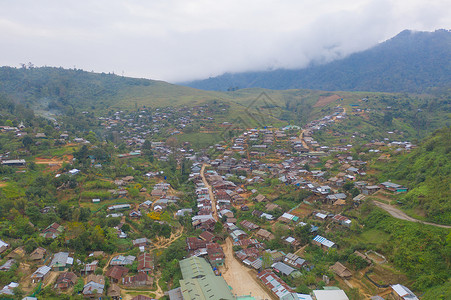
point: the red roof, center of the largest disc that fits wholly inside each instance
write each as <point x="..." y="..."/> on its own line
<point x="117" y="272"/>
<point x="207" y="236"/>
<point x="194" y="243"/>
<point x="145" y="262"/>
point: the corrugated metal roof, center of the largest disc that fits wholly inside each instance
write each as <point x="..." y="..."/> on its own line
<point x="3" y="244"/>
<point x="324" y="241"/>
<point x="199" y="281"/>
<point x="285" y="269"/>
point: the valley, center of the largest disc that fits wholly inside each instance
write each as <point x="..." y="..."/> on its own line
<point x="145" y="188"/>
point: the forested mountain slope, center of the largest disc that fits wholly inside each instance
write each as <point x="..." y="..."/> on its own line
<point x="59" y="89"/>
<point x="409" y="62"/>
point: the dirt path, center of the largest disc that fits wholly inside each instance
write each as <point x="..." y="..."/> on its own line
<point x="239" y="277"/>
<point x="210" y="191"/>
<point x="162" y="242"/>
<point x="301" y="138"/>
<point x="129" y="294"/>
<point x="399" y="214"/>
<point x="322" y="101"/>
<point x="300" y="252"/>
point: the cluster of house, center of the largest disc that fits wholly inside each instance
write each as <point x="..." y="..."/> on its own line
<point x="248" y="235"/>
<point x="94" y="284"/>
<point x="137" y="126"/>
<point x="204" y="219"/>
<point x="206" y="246"/>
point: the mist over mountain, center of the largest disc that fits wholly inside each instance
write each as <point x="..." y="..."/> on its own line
<point x="409" y="62"/>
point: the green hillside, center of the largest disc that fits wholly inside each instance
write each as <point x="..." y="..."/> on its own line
<point x="426" y="171"/>
<point x="58" y="92"/>
<point x="58" y="88"/>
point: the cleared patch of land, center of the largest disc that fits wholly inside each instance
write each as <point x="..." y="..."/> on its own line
<point x="322" y="101"/>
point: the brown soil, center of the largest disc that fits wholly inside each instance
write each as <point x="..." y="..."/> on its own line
<point x="54" y="163"/>
<point x="302" y="211"/>
<point x="377" y="259"/>
<point x="322" y="101"/>
<point x="383" y="275"/>
<point x="242" y="280"/>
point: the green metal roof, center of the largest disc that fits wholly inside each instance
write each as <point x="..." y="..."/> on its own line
<point x="200" y="283"/>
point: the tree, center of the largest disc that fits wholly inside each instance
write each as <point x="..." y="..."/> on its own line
<point x="302" y="233"/>
<point x="266" y="260"/>
<point x="27" y="141"/>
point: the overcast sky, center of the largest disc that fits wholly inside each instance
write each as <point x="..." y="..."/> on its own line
<point x="177" y="40"/>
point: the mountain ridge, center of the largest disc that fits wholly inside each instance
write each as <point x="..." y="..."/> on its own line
<point x="412" y="61"/>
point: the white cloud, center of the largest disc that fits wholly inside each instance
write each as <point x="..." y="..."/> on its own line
<point x="180" y="40"/>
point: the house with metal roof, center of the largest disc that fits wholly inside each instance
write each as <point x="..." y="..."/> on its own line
<point x="65" y="280"/>
<point x="9" y="289"/>
<point x="3" y="246"/>
<point x="94" y="286"/>
<point x="296" y="296"/>
<point x="121" y="260"/>
<point x="52" y="231"/>
<point x="324" y="243"/>
<point x="200" y="282"/>
<point x="40" y="274"/>
<point x="14" y="162"/>
<point x="402" y="292"/>
<point x="145" y="263"/>
<point x="294" y="260"/>
<point x="274" y="283"/>
<point x="119" y="207"/>
<point x="332" y="294"/>
<point x="7" y="265"/>
<point x="342" y="220"/>
<point x="394" y="187"/>
<point x="287" y="218"/>
<point x="116" y="273"/>
<point x="61" y="261"/>
<point x="238" y="234"/>
<point x="284" y="269"/>
<point x="90" y="268"/>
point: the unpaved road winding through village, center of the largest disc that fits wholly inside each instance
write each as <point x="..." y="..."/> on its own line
<point x="399" y="214"/>
<point x="210" y="192"/>
<point x="239" y="277"/>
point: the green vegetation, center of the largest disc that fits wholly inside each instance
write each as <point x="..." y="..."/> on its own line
<point x="422" y="252"/>
<point x="120" y="139"/>
<point x="426" y="171"/>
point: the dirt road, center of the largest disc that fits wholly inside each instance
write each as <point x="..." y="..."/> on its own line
<point x="399" y="214"/>
<point x="210" y="192"/>
<point x="301" y="138"/>
<point x="239" y="277"/>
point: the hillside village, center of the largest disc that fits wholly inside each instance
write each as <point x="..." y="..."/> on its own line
<point x="154" y="217"/>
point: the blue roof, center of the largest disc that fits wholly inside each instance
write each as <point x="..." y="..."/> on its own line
<point x="324" y="241"/>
